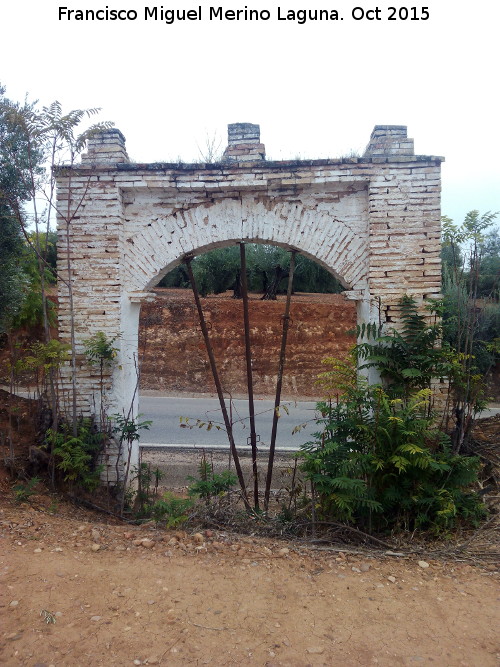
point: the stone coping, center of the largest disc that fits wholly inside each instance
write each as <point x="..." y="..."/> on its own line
<point x="253" y="166"/>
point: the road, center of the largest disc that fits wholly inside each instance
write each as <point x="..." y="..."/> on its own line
<point x="165" y="413"/>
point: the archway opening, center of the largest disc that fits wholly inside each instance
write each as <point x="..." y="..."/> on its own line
<point x="177" y="388"/>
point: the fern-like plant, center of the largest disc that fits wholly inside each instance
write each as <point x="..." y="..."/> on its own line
<point x="379" y="462"/>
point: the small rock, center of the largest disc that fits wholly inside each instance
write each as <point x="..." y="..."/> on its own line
<point x="356" y="569"/>
<point x="284" y="552"/>
<point x="364" y="567"/>
<point x="14" y="603"/>
<point x="81" y="529"/>
<point x="392" y="579"/>
<point x="37" y="551"/>
<point x="57" y="549"/>
<point x="180" y="534"/>
<point x="95" y="547"/>
<point x="315" y="649"/>
<point x="95" y="618"/>
<point x="172" y="542"/>
<point x="137" y="662"/>
<point x="137" y="543"/>
<point x="96" y="535"/>
<point x="14" y="636"/>
<point x="147" y="543"/>
<point x="198" y="538"/>
<point x="267" y="551"/>
<point x="423" y="564"/>
<point x="128" y="535"/>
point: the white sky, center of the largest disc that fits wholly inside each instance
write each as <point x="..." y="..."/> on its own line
<point x="316" y="89"/>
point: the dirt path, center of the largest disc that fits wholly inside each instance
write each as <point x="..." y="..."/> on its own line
<point x="225" y="600"/>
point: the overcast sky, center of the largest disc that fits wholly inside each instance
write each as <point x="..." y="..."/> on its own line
<point x="316" y="89"/>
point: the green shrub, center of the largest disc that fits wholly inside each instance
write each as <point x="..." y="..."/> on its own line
<point x="210" y="484"/>
<point x="23" y="492"/>
<point x="379" y="462"/>
<point x="171" y="509"/>
<point x="75" y="456"/>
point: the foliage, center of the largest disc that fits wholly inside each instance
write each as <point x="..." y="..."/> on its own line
<point x="409" y="357"/>
<point x="210" y="484"/>
<point x="267" y="266"/>
<point x="76" y="455"/>
<point x="128" y="429"/>
<point x="145" y="494"/>
<point x="379" y="462"/>
<point x="100" y="350"/>
<point x="340" y="376"/>
<point x="13" y="190"/>
<point x="42" y="358"/>
<point x="171" y="509"/>
<point x="471" y="314"/>
<point x="23" y="492"/>
<point x="379" y="459"/>
<point x="12" y="278"/>
<point x="35" y="144"/>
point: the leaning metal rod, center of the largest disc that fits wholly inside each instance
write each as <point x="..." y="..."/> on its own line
<point x="213" y="366"/>
<point x="248" y="355"/>
<point x="286" y="324"/>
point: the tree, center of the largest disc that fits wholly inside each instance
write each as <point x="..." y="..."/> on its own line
<point x="13" y="192"/>
<point x="219" y="270"/>
<point x="471" y="316"/>
<point x="55" y="138"/>
<point x="12" y="278"/>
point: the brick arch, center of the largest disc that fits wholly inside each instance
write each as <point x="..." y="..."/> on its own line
<point x="339" y="245"/>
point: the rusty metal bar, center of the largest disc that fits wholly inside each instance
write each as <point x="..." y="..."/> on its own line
<point x="248" y="356"/>
<point x="229" y="428"/>
<point x="279" y="382"/>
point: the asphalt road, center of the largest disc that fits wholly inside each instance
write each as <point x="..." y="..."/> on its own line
<point x="165" y="413"/>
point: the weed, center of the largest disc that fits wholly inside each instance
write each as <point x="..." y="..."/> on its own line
<point x="23" y="492"/>
<point x="170" y="509"/>
<point x="210" y="484"/>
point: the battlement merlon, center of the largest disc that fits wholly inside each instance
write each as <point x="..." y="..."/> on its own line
<point x="388" y="143"/>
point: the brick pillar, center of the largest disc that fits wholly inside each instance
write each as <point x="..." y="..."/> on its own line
<point x="389" y="140"/>
<point x="106" y="146"/>
<point x="244" y="143"/>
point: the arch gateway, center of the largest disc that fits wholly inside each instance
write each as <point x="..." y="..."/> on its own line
<point x="372" y="221"/>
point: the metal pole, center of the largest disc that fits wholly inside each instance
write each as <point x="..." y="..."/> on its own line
<point x="248" y="355"/>
<point x="213" y="366"/>
<point x="279" y="382"/>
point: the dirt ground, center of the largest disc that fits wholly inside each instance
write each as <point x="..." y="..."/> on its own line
<point x="129" y="595"/>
